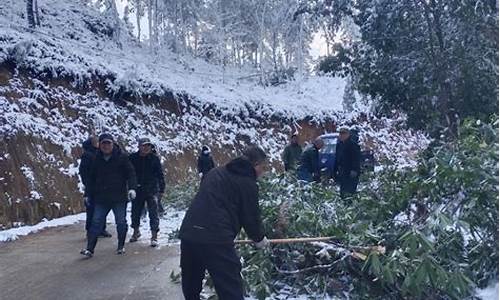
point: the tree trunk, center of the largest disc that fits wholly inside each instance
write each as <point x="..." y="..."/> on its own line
<point x="37" y="16"/>
<point x="138" y="14"/>
<point x="275" y="45"/>
<point x="150" y="23"/>
<point x="327" y="39"/>
<point x="30" y="14"/>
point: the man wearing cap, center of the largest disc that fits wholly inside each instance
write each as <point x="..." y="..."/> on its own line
<point x="292" y="153"/>
<point x="111" y="183"/>
<point x="90" y="147"/>
<point x="150" y="188"/>
<point x="309" y="168"/>
<point x="227" y="200"/>
<point x="347" y="163"/>
<point x="205" y="162"/>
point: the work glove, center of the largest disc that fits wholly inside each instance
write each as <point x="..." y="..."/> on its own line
<point x="353" y="174"/>
<point x="264" y="243"/>
<point x="86" y="201"/>
<point x="317" y="177"/>
<point x="131" y="194"/>
<point x="200" y="174"/>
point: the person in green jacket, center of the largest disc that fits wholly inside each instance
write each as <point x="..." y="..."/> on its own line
<point x="291" y="154"/>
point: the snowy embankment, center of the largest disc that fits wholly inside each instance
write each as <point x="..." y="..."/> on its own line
<point x="73" y="43"/>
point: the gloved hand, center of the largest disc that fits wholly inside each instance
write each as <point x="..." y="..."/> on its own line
<point x="131" y="194"/>
<point x="200" y="174"/>
<point x="353" y="174"/>
<point x="86" y="201"/>
<point x="264" y="243"/>
<point x="317" y="177"/>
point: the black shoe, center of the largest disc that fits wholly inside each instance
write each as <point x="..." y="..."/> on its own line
<point x="135" y="236"/>
<point x="105" y="234"/>
<point x="87" y="253"/>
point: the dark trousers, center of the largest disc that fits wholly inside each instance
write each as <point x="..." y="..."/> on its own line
<point x="221" y="262"/>
<point x="89" y="209"/>
<point x="99" y="219"/>
<point x="137" y="207"/>
<point x="304" y="175"/>
<point x="348" y="185"/>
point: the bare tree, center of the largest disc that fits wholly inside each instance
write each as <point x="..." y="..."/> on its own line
<point x="30" y="13"/>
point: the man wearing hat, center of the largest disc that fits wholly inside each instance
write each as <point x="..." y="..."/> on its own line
<point x="150" y="188"/>
<point x="90" y="147"/>
<point x="347" y="163"/>
<point x="292" y="153"/>
<point x="205" y="162"/>
<point x="112" y="182"/>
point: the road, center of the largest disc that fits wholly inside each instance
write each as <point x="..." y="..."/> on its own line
<point x="47" y="265"/>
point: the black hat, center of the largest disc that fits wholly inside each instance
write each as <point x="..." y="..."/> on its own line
<point x="145" y="141"/>
<point x="106" y="137"/>
<point x="344" y="129"/>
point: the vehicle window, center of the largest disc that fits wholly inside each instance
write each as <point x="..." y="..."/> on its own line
<point x="329" y="147"/>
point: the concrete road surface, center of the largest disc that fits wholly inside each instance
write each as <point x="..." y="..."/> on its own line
<point x="47" y="265"/>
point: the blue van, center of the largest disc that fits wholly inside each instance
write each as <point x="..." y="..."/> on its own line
<point x="327" y="153"/>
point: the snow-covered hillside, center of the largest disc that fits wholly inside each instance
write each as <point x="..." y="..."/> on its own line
<point x="74" y="40"/>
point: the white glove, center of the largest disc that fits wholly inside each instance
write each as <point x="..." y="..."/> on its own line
<point x="200" y="174"/>
<point x="131" y="194"/>
<point x="264" y="243"/>
<point x="353" y="174"/>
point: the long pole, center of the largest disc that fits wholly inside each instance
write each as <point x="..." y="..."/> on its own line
<point x="290" y="240"/>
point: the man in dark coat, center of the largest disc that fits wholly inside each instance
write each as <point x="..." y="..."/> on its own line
<point x="150" y="188"/>
<point x="309" y="168"/>
<point x="291" y="154"/>
<point x="347" y="163"/>
<point x="112" y="182"/>
<point x="226" y="201"/>
<point x="205" y="162"/>
<point x="90" y="147"/>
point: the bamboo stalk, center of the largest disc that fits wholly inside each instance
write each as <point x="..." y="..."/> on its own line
<point x="290" y="240"/>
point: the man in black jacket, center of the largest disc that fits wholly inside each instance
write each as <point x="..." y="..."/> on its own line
<point x="226" y="201"/>
<point x="90" y="147"/>
<point x="347" y="163"/>
<point x="150" y="188"/>
<point x="309" y="168"/>
<point x="205" y="162"/>
<point x="110" y="177"/>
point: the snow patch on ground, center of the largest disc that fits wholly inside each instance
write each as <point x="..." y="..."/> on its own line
<point x="488" y="293"/>
<point x="15" y="233"/>
<point x="170" y="222"/>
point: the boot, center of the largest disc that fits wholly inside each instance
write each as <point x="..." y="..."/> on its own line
<point x="87" y="253"/>
<point x="105" y="234"/>
<point x="135" y="236"/>
<point x="154" y="239"/>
